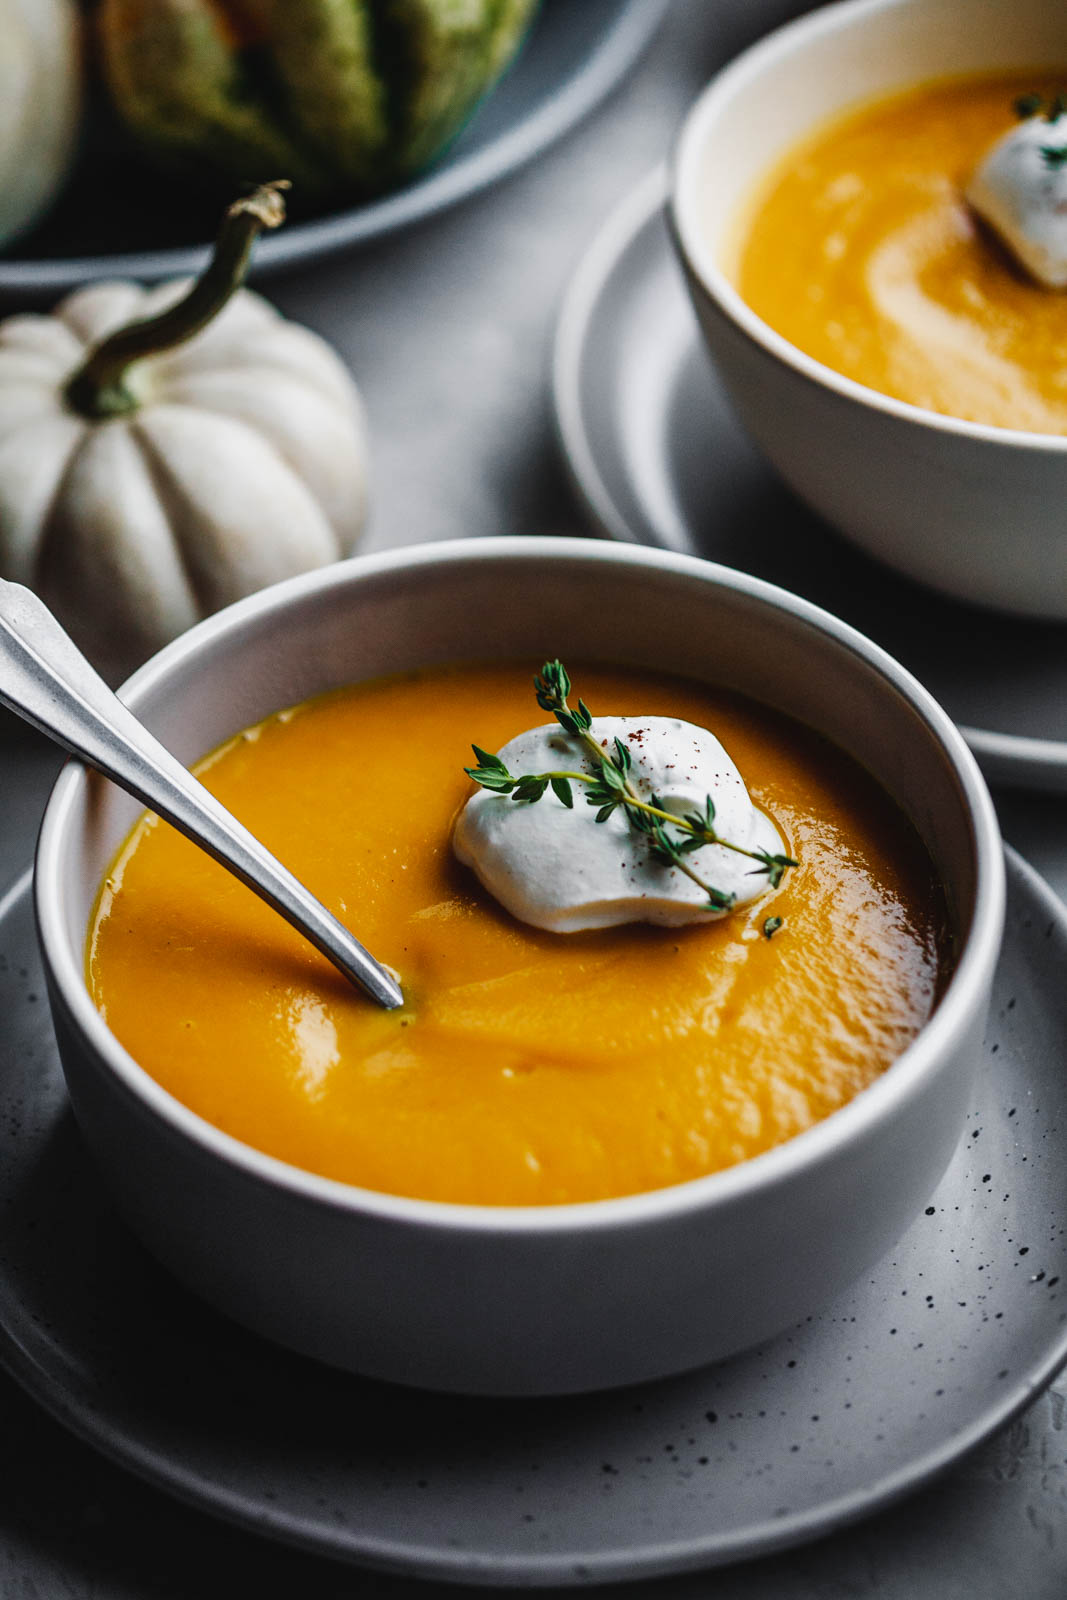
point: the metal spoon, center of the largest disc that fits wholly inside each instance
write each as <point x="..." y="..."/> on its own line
<point x="45" y="678"/>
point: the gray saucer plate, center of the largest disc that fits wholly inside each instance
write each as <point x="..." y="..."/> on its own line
<point x="658" y="458"/>
<point x="113" y="221"/>
<point x="952" y="1334"/>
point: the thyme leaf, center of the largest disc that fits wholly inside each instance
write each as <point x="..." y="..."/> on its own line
<point x="1027" y="105"/>
<point x="561" y="788"/>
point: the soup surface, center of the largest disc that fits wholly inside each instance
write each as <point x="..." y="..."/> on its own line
<point x="529" y="1067"/>
<point x="861" y="250"/>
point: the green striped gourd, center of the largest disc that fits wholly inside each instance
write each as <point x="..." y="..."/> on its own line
<point x="341" y="96"/>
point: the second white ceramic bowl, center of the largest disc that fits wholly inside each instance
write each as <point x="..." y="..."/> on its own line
<point x="975" y="511"/>
<point x="541" y="1299"/>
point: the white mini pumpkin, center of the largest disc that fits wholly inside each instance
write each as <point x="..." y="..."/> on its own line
<point x="237" y="459"/>
<point x="40" y="102"/>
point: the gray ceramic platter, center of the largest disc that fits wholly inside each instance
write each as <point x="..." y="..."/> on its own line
<point x="658" y="458"/>
<point x="947" y="1339"/>
<point x="573" y="57"/>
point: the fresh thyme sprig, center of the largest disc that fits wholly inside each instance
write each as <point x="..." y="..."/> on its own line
<point x="608" y="787"/>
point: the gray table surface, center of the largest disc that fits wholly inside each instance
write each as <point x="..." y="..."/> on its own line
<point x="448" y="329"/>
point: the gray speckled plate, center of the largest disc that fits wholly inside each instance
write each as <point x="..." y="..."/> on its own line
<point x="659" y="459"/>
<point x="574" y="56"/>
<point x="948" y="1338"/>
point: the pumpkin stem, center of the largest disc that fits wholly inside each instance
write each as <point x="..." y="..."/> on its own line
<point x="98" y="388"/>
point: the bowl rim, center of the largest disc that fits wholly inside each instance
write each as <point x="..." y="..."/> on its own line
<point x="740" y="77"/>
<point x="973" y="972"/>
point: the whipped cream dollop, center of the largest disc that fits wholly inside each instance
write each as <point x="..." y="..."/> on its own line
<point x="1020" y="189"/>
<point x="560" y="869"/>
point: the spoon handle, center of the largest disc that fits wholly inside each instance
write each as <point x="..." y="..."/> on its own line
<point x="45" y="678"/>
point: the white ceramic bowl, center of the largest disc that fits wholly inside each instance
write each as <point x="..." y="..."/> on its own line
<point x="975" y="511"/>
<point x="544" y="1299"/>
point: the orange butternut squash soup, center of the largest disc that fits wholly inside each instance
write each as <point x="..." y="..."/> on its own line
<point x="861" y="249"/>
<point x="528" y="1067"/>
